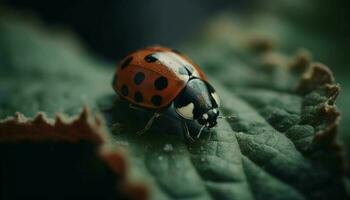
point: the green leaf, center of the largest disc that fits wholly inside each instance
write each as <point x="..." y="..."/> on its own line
<point x="40" y="72"/>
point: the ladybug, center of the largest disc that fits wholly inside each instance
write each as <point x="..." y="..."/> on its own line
<point x="156" y="78"/>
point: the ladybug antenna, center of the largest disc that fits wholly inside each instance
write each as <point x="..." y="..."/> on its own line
<point x="229" y="117"/>
<point x="200" y="131"/>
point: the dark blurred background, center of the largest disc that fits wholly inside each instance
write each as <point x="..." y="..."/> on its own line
<point x="112" y="28"/>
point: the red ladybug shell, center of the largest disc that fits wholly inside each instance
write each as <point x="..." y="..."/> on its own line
<point x="153" y="77"/>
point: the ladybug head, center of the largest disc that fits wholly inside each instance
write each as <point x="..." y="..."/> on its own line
<point x="209" y="118"/>
<point x="198" y="101"/>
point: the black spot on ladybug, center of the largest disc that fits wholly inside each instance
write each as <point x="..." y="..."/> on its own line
<point x="150" y="58"/>
<point x="125" y="90"/>
<point x="139" y="77"/>
<point x="156" y="100"/>
<point x="176" y="51"/>
<point x="184" y="71"/>
<point x="138" y="97"/>
<point x="126" y="62"/>
<point x="161" y="83"/>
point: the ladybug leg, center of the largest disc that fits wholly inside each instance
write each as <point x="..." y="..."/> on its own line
<point x="149" y="123"/>
<point x="187" y="132"/>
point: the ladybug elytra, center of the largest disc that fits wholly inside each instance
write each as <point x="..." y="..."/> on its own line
<point x="157" y="77"/>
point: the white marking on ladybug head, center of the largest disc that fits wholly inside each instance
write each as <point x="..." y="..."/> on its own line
<point x="215" y="111"/>
<point x="205" y="116"/>
<point x="216" y="98"/>
<point x="186" y="111"/>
